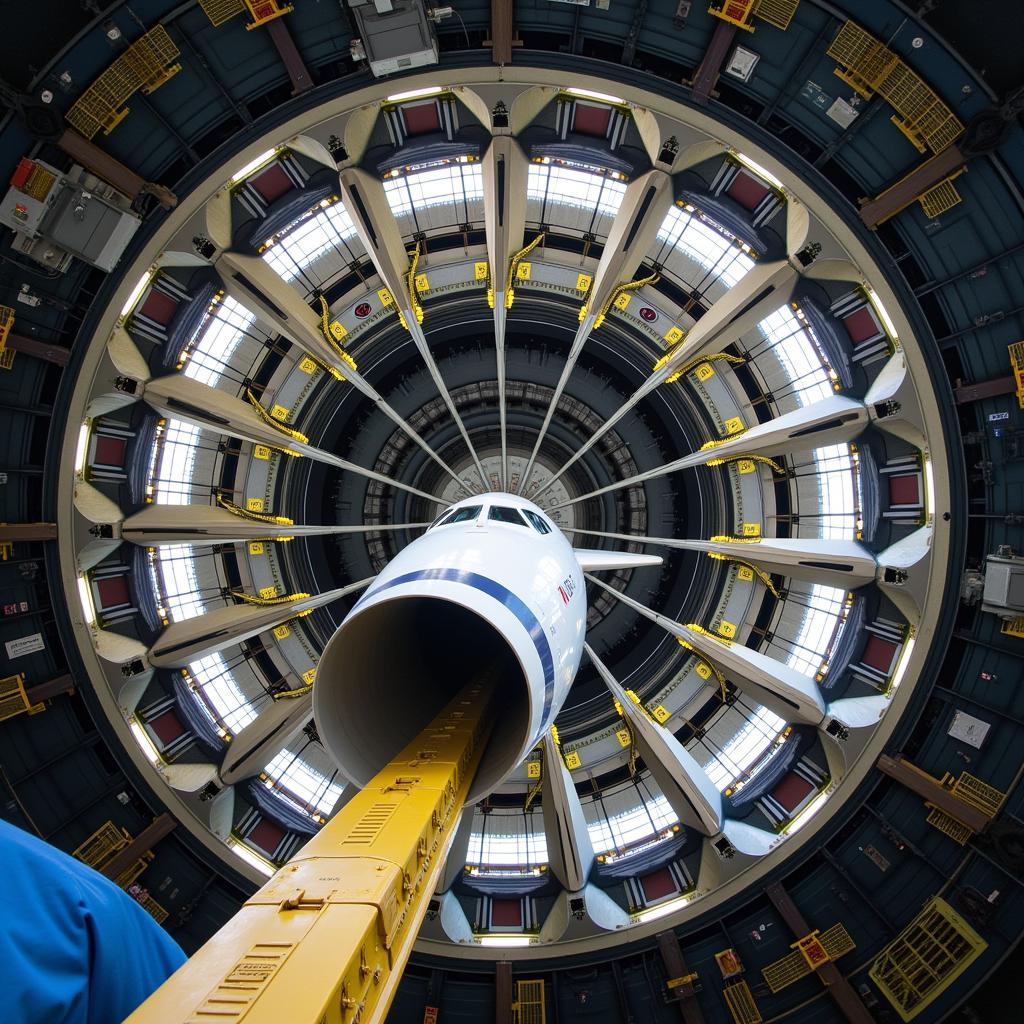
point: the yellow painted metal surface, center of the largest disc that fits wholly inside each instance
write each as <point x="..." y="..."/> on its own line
<point x="926" y="958"/>
<point x="326" y="939"/>
<point x="942" y="197"/>
<point x="740" y="1001"/>
<point x="14" y="700"/>
<point x="528" y="1006"/>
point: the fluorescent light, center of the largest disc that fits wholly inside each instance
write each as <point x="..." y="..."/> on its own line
<point x="82" y="448"/>
<point x="882" y="314"/>
<point x="414" y="94"/>
<point x="904" y="662"/>
<point x="504" y="940"/>
<point x="758" y="169"/>
<point x="929" y="486"/>
<point x="663" y="909"/>
<point x="588" y="95"/>
<point x="807" y="813"/>
<point x="252" y="858"/>
<point x="133" y="295"/>
<point x="85" y="596"/>
<point x="143" y="739"/>
<point x="253" y="165"/>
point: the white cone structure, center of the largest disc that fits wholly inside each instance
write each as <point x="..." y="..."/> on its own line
<point x="570" y="851"/>
<point x="255" y="745"/>
<point x="690" y="792"/>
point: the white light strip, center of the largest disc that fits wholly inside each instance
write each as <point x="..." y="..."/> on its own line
<point x="882" y="314"/>
<point x="82" y="448"/>
<point x="133" y="295"/>
<point x="759" y="170"/>
<point x="143" y="739"/>
<point x="85" y="596"/>
<point x="586" y="94"/>
<point x="663" y="909"/>
<point x="253" y="165"/>
<point x="901" y="668"/>
<point x="251" y="857"/>
<point x="414" y="94"/>
<point x="504" y="940"/>
<point x="929" y="486"/>
<point x="807" y="813"/>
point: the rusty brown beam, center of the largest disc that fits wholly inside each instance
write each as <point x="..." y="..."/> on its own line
<point x="40" y="349"/>
<point x="929" y="789"/>
<point x="290" y="56"/>
<point x="710" y="69"/>
<point x="910" y="187"/>
<point x="112" y="171"/>
<point x="51" y="688"/>
<point x="502" y="32"/>
<point x="841" y="991"/>
<point x="675" y="967"/>
<point x="967" y="393"/>
<point x="158" y="829"/>
<point x="21" y="532"/>
<point x="503" y="992"/>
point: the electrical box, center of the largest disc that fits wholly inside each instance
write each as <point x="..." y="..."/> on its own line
<point x="1004" y="585"/>
<point x="57" y="216"/>
<point x="395" y="35"/>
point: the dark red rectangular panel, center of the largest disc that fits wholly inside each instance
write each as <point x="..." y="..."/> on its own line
<point x="109" y="451"/>
<point x="791" y="791"/>
<point x="879" y="654"/>
<point x="905" y="489"/>
<point x="658" y="885"/>
<point x="421" y="118"/>
<point x="158" y="306"/>
<point x="506" y="914"/>
<point x="267" y="836"/>
<point x="746" y="190"/>
<point x="272" y="182"/>
<point x="591" y="120"/>
<point x="167" y="726"/>
<point x="113" y="592"/>
<point x="861" y="325"/>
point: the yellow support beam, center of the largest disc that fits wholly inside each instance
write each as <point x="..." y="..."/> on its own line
<point x="325" y="941"/>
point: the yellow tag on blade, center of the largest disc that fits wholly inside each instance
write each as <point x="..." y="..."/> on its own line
<point x="308" y="676"/>
<point x="261" y="451"/>
<point x="622" y="300"/>
<point x="674" y="335"/>
<point x="705" y="371"/>
<point x="385" y="296"/>
<point x="750" y="530"/>
<point x="481" y="271"/>
<point x="338" y="330"/>
<point x="583" y="282"/>
<point x="282" y="632"/>
<point x="703" y="670"/>
<point x="660" y="713"/>
<point x="279" y="412"/>
<point x="622" y="735"/>
<point x="254" y="504"/>
<point x="422" y="283"/>
<point x="523" y="271"/>
<point x="256" y="547"/>
<point x="726" y="629"/>
<point x="572" y="760"/>
<point x="733" y="425"/>
<point x="744" y="572"/>
<point x="746" y="466"/>
<point x="533" y="769"/>
<point x="307" y="365"/>
<point x="266" y="592"/>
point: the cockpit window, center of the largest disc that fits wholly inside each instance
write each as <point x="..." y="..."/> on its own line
<point x="505" y="514"/>
<point x="462" y="515"/>
<point x="538" y="523"/>
<point x="439" y="518"/>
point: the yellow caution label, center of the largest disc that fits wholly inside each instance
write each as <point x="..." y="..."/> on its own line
<point x="726" y="629"/>
<point x="481" y="271"/>
<point x="338" y="330"/>
<point x="744" y="572"/>
<point x="622" y="735"/>
<point x="705" y="371"/>
<point x="703" y="670"/>
<point x="256" y="547"/>
<point x="422" y="283"/>
<point x="661" y="713"/>
<point x="268" y="592"/>
<point x="308" y="676"/>
<point x="533" y="769"/>
<point x="746" y="466"/>
<point x="583" y="282"/>
<point x="261" y="451"/>
<point x="385" y="296"/>
<point x="307" y="365"/>
<point x="622" y="300"/>
<point x="523" y="271"/>
<point x="750" y="530"/>
<point x="279" y="412"/>
<point x="282" y="632"/>
<point x="254" y="504"/>
<point x="572" y="760"/>
<point x="733" y="425"/>
<point x="674" y="334"/>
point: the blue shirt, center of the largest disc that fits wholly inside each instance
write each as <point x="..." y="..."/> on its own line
<point x="74" y="948"/>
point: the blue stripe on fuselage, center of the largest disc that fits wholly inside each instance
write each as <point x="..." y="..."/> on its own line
<point x="502" y="595"/>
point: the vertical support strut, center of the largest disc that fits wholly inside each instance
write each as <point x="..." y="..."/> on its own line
<point x="327" y="938"/>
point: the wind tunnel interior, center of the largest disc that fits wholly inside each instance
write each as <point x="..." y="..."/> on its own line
<point x="389" y="670"/>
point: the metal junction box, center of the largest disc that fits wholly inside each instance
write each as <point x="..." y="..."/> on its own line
<point x="56" y="216"/>
<point x="395" y="34"/>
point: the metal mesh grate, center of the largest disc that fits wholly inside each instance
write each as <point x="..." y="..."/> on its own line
<point x="979" y="794"/>
<point x="777" y="12"/>
<point x="926" y="958"/>
<point x="529" y="1003"/>
<point x="837" y="941"/>
<point x="102" y="845"/>
<point x="740" y="1001"/>
<point x="786" y="971"/>
<point x="219" y="11"/>
<point x="939" y="199"/>
<point x="947" y="824"/>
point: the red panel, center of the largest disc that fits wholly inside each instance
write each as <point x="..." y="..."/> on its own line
<point x="167" y="726"/>
<point x="905" y="490"/>
<point x="109" y="451"/>
<point x="421" y="118"/>
<point x="506" y="913"/>
<point x="747" y="191"/>
<point x="272" y="183"/>
<point x="113" y="591"/>
<point x="590" y="120"/>
<point x="658" y="885"/>
<point x="862" y="325"/>
<point x="158" y="306"/>
<point x="791" y="790"/>
<point x="267" y="836"/>
<point x="21" y="172"/>
<point x="879" y="654"/>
